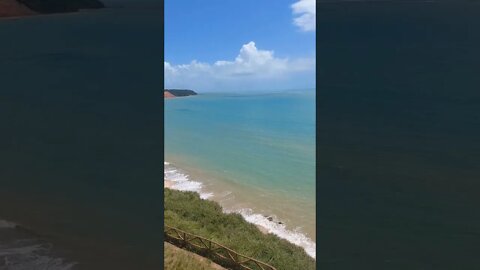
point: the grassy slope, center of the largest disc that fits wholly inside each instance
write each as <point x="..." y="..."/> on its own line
<point x="186" y="211"/>
<point x="178" y="259"/>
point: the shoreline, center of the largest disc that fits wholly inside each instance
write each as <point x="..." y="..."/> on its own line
<point x="47" y="248"/>
<point x="265" y="223"/>
<point x="25" y="248"/>
<point x="167" y="183"/>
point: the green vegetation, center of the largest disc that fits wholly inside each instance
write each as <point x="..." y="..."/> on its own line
<point x="178" y="259"/>
<point x="55" y="6"/>
<point x="186" y="211"/>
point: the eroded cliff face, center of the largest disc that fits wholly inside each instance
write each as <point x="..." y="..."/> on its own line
<point x="13" y="8"/>
<point x="167" y="94"/>
<point x="17" y="8"/>
<point x="59" y="6"/>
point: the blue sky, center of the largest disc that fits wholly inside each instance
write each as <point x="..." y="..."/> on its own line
<point x="231" y="45"/>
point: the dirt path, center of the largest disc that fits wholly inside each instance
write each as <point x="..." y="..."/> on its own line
<point x="179" y="259"/>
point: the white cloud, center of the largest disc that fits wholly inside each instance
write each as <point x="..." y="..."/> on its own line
<point x="305" y="12"/>
<point x="250" y="66"/>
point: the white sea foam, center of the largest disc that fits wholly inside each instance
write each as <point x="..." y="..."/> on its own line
<point x="18" y="253"/>
<point x="7" y="224"/>
<point x="273" y="226"/>
<point x="27" y="255"/>
<point x="182" y="182"/>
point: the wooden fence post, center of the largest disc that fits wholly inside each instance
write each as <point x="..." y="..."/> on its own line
<point x="184" y="239"/>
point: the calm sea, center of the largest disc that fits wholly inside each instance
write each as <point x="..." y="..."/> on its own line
<point x="253" y="153"/>
<point x="399" y="135"/>
<point x="80" y="141"/>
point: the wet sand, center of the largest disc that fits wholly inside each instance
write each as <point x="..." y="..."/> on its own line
<point x="170" y="183"/>
<point x="167" y="183"/>
<point x="262" y="229"/>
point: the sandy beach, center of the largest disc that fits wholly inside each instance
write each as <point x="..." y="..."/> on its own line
<point x="167" y="183"/>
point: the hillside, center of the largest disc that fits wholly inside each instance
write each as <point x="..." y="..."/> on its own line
<point x="18" y="8"/>
<point x="186" y="211"/>
<point x="178" y="259"/>
<point x="180" y="92"/>
<point x="9" y="8"/>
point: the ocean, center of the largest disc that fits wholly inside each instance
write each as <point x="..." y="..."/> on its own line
<point x="398" y="135"/>
<point x="254" y="153"/>
<point x="81" y="140"/>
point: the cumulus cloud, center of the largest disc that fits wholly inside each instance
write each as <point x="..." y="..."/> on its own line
<point x="251" y="64"/>
<point x="304" y="10"/>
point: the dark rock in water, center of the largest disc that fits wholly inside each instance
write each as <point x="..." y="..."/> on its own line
<point x="270" y="218"/>
<point x="181" y="92"/>
<point x="59" y="6"/>
<point x="280" y="222"/>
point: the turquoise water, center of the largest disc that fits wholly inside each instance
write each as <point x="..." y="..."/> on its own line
<point x="254" y="153"/>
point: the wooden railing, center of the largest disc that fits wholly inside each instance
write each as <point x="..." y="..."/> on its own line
<point x="215" y="251"/>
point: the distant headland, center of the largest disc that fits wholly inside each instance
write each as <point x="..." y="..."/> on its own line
<point x="171" y="93"/>
<point x="19" y="8"/>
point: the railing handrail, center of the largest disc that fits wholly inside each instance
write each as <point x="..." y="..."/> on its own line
<point x="233" y="256"/>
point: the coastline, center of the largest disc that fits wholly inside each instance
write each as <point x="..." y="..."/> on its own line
<point x="21" y="12"/>
<point x="167" y="94"/>
<point x="31" y="242"/>
<point x="22" y="248"/>
<point x="14" y="9"/>
<point x="167" y="183"/>
<point x="172" y="93"/>
<point x="174" y="179"/>
<point x="42" y="15"/>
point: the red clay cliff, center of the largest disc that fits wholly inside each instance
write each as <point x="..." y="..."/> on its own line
<point x="12" y="8"/>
